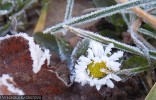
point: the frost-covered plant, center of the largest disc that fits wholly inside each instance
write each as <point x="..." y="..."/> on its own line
<point x="83" y="71"/>
<point x="99" y="66"/>
<point x="90" y="63"/>
<point x="16" y="14"/>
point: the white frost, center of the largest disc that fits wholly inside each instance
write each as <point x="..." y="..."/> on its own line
<point x="37" y="55"/>
<point x="69" y="8"/>
<point x="3" y="12"/>
<point x="4" y="81"/>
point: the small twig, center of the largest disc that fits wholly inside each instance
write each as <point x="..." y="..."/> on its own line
<point x="135" y="27"/>
<point x="147" y="18"/>
<point x="13" y="23"/>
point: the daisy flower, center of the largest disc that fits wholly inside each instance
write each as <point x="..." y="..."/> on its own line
<point x="98" y="67"/>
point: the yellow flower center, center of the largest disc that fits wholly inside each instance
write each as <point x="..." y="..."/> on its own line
<point x="95" y="69"/>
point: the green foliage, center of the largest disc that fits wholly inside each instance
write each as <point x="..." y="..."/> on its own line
<point x="133" y="66"/>
<point x="46" y="40"/>
<point x="16" y="9"/>
<point x="80" y="49"/>
<point x="5" y="29"/>
<point x="65" y="49"/>
<point x="6" y="6"/>
<point x="110" y="34"/>
<point x="135" y="62"/>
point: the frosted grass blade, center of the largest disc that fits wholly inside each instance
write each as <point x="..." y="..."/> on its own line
<point x="64" y="48"/>
<point x="105" y="40"/>
<point x="152" y="53"/>
<point x="69" y="8"/>
<point x="133" y="71"/>
<point x="146" y="32"/>
<point x="97" y="14"/>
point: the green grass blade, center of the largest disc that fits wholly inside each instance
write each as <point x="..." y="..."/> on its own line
<point x="69" y="8"/>
<point x="105" y="40"/>
<point x="146" y="32"/>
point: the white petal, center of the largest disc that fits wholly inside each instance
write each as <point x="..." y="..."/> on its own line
<point x="82" y="76"/>
<point x="98" y="87"/>
<point x="97" y="48"/>
<point x="108" y="49"/>
<point x="116" y="55"/>
<point x="97" y="59"/>
<point x="83" y="83"/>
<point x="108" y="76"/>
<point x="115" y="66"/>
<point x="77" y="66"/>
<point x="105" y="59"/>
<point x="109" y="83"/>
<point x="104" y="70"/>
<point x="84" y="59"/>
<point x="82" y="63"/>
<point x="90" y="54"/>
<point x="102" y="81"/>
<point x="92" y="83"/>
<point x="115" y="77"/>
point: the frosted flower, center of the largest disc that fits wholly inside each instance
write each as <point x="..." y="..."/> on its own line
<point x="97" y="69"/>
